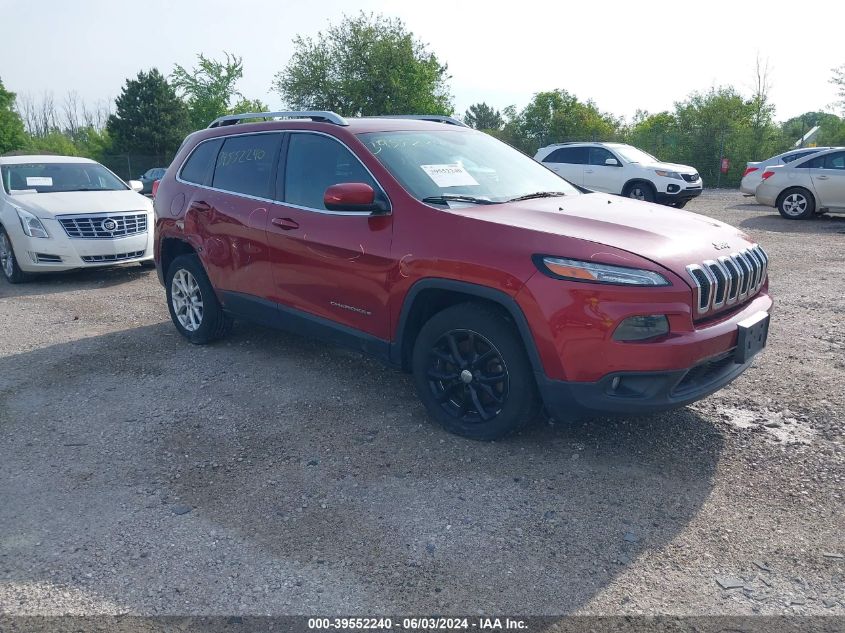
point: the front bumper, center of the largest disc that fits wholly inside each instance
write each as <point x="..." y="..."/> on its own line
<point x="59" y="252"/>
<point x="686" y="192"/>
<point x="639" y="392"/>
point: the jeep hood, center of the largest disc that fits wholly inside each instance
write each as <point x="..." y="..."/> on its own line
<point x="669" y="237"/>
<point x="48" y="205"/>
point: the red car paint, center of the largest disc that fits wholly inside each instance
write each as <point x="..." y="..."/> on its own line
<point x="358" y="271"/>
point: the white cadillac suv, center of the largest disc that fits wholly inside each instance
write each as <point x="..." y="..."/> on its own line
<point x="623" y="170"/>
<point x="61" y="212"/>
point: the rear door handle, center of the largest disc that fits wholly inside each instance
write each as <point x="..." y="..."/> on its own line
<point x="822" y="177"/>
<point x="588" y="171"/>
<point x="286" y="224"/>
<point x="201" y="206"/>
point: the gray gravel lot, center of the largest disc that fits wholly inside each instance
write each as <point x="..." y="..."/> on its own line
<point x="270" y="474"/>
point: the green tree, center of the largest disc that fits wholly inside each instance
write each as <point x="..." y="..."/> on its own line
<point x="831" y="129"/>
<point x="557" y="116"/>
<point x="244" y="105"/>
<point x="366" y="65"/>
<point x="12" y="134"/>
<point x="149" y="118"/>
<point x="655" y="133"/>
<point x="210" y="88"/>
<point x="482" y="117"/>
<point x="838" y="80"/>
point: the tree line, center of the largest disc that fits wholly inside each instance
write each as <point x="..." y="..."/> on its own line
<point x="371" y="64"/>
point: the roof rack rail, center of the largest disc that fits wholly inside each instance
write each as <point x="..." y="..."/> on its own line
<point x="322" y="116"/>
<point x="437" y="118"/>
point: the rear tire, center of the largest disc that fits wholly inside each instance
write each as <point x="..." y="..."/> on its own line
<point x="797" y="204"/>
<point x="8" y="262"/>
<point x="640" y="191"/>
<point x="192" y="302"/>
<point x="472" y="373"/>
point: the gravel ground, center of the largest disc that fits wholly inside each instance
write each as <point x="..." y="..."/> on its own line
<point x="270" y="474"/>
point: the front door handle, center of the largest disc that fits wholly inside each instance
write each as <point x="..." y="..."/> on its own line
<point x="588" y="171"/>
<point x="286" y="224"/>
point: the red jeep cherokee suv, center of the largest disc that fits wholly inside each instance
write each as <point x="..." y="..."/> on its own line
<point x="443" y="251"/>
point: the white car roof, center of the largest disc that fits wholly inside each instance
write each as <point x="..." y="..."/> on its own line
<point x="45" y="158"/>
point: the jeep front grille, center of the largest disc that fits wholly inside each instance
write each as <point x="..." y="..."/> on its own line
<point x="106" y="226"/>
<point x="729" y="279"/>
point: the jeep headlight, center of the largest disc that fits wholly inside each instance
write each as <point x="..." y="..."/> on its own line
<point x="668" y="174"/>
<point x="577" y="270"/>
<point x="30" y="224"/>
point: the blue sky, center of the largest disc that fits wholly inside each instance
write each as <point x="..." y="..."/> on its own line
<point x="623" y="55"/>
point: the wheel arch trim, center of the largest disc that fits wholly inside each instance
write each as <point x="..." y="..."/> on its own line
<point x="471" y="290"/>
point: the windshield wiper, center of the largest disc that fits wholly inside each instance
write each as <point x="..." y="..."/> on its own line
<point x="454" y="197"/>
<point x="538" y="194"/>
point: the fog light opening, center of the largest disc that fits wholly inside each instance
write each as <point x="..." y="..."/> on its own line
<point x="642" y="328"/>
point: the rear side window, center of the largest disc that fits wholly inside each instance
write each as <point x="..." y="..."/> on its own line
<point x="834" y="161"/>
<point x="198" y="167"/>
<point x="791" y="157"/>
<point x="245" y="164"/>
<point x="314" y="163"/>
<point x="571" y="155"/>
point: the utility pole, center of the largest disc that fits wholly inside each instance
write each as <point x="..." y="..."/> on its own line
<point x="721" y="156"/>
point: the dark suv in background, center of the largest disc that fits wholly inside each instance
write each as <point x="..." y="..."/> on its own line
<point x="443" y="251"/>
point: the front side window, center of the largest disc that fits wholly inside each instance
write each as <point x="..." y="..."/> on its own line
<point x="599" y="156"/>
<point x="245" y="164"/>
<point x="59" y="177"/>
<point x="316" y="162"/>
<point x="456" y="162"/>
<point x="200" y="164"/>
<point x="834" y="161"/>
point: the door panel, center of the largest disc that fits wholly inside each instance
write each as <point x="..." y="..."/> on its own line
<point x="232" y="214"/>
<point x="829" y="180"/>
<point x="568" y="163"/>
<point x="334" y="265"/>
<point x="600" y="176"/>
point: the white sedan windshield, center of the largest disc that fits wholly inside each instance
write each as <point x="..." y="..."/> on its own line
<point x="58" y="177"/>
<point x="454" y="163"/>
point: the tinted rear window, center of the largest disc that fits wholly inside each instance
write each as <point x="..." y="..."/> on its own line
<point x="245" y="164"/>
<point x="198" y="167"/>
<point x="571" y="155"/>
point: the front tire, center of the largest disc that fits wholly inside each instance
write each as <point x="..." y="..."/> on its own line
<point x="472" y="373"/>
<point x="640" y="191"/>
<point x="8" y="262"/>
<point x="797" y="204"/>
<point x="192" y="302"/>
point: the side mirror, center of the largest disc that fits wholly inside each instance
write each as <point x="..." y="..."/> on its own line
<point x="353" y="196"/>
<point x="136" y="185"/>
<point x="612" y="162"/>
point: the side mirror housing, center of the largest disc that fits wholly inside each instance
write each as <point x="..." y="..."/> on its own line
<point x="354" y="196"/>
<point x="136" y="185"/>
<point x="611" y="162"/>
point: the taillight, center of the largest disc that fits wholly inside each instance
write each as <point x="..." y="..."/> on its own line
<point x="766" y="174"/>
<point x="155" y="187"/>
<point x="748" y="170"/>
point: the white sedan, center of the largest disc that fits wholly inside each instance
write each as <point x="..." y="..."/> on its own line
<point x="806" y="187"/>
<point x="62" y="212"/>
<point x="754" y="171"/>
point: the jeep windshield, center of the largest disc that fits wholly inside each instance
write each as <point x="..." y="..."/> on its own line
<point x="58" y="177"/>
<point x="452" y="167"/>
